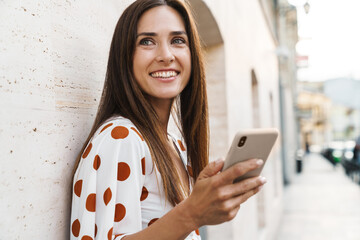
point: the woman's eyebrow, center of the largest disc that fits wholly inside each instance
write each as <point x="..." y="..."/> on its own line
<point x="153" y="34"/>
<point x="178" y="33"/>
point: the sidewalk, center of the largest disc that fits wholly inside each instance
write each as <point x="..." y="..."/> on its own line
<point x="321" y="204"/>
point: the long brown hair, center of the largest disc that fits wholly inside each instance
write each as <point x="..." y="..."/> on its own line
<point x="123" y="96"/>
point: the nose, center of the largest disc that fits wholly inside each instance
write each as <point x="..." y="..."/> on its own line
<point x="164" y="54"/>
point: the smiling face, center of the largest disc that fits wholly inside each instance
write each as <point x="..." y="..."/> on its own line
<point x="162" y="62"/>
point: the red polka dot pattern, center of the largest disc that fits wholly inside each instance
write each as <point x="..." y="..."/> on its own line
<point x="123" y="171"/>
<point x="107" y="196"/>
<point x="75" y="228"/>
<point x="91" y="202"/>
<point x="143" y="166"/>
<point x="119" y="132"/>
<point x="87" y="151"/>
<point x="78" y="187"/>
<point x="86" y="237"/>
<point x="120" y="212"/>
<point x="94" y="183"/>
<point x="108" y="125"/>
<point x="134" y="129"/>
<point x="97" y="162"/>
<point x="181" y="145"/>
<point x="110" y="234"/>
<point x="144" y="194"/>
<point x="152" y="221"/>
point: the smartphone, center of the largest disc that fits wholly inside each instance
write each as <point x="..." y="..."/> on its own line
<point x="251" y="143"/>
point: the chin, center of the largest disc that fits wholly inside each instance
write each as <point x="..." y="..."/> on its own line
<point x="166" y="96"/>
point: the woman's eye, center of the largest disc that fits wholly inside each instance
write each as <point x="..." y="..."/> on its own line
<point x="146" y="42"/>
<point x="179" y="41"/>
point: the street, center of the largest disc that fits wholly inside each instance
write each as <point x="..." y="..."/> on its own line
<point x="321" y="204"/>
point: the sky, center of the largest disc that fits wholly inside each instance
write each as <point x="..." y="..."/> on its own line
<point x="330" y="36"/>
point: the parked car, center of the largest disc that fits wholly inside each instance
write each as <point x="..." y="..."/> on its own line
<point x="333" y="152"/>
<point x="351" y="167"/>
<point x="343" y="152"/>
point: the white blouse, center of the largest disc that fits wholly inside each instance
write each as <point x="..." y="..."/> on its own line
<point x="117" y="189"/>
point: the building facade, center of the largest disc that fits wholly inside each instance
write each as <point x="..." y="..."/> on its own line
<point x="329" y="111"/>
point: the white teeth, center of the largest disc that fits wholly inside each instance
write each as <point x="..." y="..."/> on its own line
<point x="164" y="74"/>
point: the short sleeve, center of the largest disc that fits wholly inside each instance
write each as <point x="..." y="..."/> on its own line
<point x="108" y="184"/>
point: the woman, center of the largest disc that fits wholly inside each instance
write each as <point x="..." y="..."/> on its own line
<point x="133" y="179"/>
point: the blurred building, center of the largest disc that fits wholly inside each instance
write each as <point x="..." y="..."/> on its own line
<point x="345" y="118"/>
<point x="329" y="111"/>
<point x="53" y="66"/>
<point x="314" y="110"/>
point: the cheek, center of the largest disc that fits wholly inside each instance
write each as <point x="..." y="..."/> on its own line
<point x="186" y="61"/>
<point x="141" y="60"/>
<point x="139" y="66"/>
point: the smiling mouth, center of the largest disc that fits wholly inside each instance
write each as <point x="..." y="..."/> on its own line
<point x="164" y="74"/>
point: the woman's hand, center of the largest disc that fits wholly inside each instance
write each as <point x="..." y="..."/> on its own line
<point x="215" y="198"/>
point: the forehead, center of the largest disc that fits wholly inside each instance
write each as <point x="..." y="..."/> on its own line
<point x="159" y="19"/>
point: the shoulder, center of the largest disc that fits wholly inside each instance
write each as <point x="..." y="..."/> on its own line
<point x="119" y="128"/>
<point x="115" y="141"/>
<point x="116" y="136"/>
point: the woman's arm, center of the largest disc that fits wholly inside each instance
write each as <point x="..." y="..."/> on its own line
<point x="214" y="200"/>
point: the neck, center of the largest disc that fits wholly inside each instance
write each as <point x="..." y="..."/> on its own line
<point x="163" y="109"/>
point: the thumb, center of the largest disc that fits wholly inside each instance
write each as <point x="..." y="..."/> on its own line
<point x="211" y="169"/>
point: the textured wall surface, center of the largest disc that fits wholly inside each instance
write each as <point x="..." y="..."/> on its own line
<point x="53" y="57"/>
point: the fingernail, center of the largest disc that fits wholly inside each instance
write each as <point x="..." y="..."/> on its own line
<point x="260" y="187"/>
<point x="259" y="162"/>
<point x="263" y="180"/>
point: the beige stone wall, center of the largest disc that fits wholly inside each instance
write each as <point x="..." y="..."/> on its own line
<point x="52" y="63"/>
<point x="53" y="58"/>
<point x="218" y="112"/>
